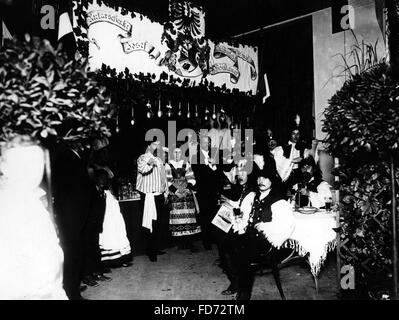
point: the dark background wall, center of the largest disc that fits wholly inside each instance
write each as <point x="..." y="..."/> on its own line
<point x="224" y="18"/>
<point x="286" y="56"/>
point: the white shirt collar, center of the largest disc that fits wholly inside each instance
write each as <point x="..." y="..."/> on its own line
<point x="205" y="153"/>
<point x="266" y="194"/>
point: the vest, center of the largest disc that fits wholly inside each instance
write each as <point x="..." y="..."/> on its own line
<point x="262" y="210"/>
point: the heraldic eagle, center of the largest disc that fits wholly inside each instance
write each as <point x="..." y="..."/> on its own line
<point x="186" y="18"/>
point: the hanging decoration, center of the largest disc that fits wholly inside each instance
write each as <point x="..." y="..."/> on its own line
<point x="169" y="112"/>
<point x="222" y="117"/>
<point x="149" y="110"/>
<point x="214" y="113"/>
<point x="206" y="114"/>
<point x="179" y="113"/>
<point x="159" y="113"/>
<point x="188" y="110"/>
<point x="196" y="112"/>
<point x="117" y="129"/>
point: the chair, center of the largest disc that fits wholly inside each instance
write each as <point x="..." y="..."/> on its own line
<point x="271" y="261"/>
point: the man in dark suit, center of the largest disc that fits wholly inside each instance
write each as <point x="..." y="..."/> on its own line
<point x="72" y="196"/>
<point x="93" y="269"/>
<point x="205" y="172"/>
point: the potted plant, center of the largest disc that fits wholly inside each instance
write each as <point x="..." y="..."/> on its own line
<point x="46" y="95"/>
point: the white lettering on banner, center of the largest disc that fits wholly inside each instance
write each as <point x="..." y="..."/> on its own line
<point x="221" y="51"/>
<point x="129" y="45"/>
<point x="225" y="68"/>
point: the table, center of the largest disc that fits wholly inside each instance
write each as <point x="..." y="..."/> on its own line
<point x="131" y="212"/>
<point x="312" y="238"/>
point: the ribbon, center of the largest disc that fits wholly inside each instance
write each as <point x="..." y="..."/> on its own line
<point x="129" y="45"/>
<point x="221" y="51"/>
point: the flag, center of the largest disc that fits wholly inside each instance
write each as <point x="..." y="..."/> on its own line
<point x="65" y="29"/>
<point x="5" y="33"/>
<point x="267" y="90"/>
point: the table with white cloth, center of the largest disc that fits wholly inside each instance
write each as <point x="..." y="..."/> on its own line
<point x="312" y="238"/>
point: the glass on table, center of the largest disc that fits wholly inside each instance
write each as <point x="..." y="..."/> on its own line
<point x="328" y="203"/>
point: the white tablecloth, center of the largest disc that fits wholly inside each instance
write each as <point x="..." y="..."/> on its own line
<point x="313" y="235"/>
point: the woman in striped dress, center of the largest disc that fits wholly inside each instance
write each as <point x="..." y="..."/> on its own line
<point x="182" y="202"/>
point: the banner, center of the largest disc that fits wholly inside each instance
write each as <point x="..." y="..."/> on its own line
<point x="179" y="48"/>
<point x="188" y="53"/>
<point x="235" y="67"/>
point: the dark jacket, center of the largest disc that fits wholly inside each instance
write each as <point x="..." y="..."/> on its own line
<point x="206" y="178"/>
<point x="71" y="189"/>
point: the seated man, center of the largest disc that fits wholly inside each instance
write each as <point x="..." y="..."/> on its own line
<point x="309" y="187"/>
<point x="271" y="218"/>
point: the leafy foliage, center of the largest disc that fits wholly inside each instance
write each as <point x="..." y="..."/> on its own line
<point x="362" y="123"/>
<point x="43" y="94"/>
<point x="364" y="114"/>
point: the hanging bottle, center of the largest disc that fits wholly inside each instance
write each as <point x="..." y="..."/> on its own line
<point x="117" y="124"/>
<point x="222" y="117"/>
<point x="169" y="112"/>
<point x="214" y="112"/>
<point x="206" y="114"/>
<point x="188" y="110"/>
<point x="179" y="112"/>
<point x="149" y="111"/>
<point x="159" y="113"/>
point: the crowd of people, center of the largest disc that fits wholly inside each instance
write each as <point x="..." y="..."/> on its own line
<point x="229" y="203"/>
<point x="66" y="238"/>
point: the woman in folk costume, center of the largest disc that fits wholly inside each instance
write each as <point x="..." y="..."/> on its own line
<point x="31" y="257"/>
<point x="114" y="244"/>
<point x="182" y="201"/>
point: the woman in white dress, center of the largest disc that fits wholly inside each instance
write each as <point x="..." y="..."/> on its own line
<point x="31" y="258"/>
<point x="114" y="243"/>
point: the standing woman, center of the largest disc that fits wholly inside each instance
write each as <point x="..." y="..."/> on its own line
<point x="182" y="202"/>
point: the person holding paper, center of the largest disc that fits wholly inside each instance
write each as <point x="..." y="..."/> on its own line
<point x="235" y="189"/>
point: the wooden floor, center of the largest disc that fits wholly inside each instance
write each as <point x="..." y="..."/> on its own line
<point x="182" y="275"/>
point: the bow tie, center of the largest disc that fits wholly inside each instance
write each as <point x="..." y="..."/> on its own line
<point x="291" y="143"/>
